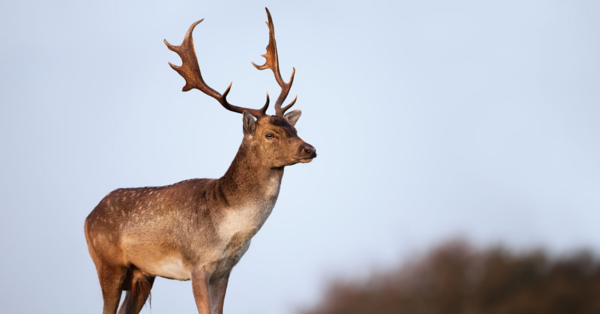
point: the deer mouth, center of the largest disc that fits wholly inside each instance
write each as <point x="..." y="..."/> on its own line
<point x="306" y="160"/>
<point x="313" y="155"/>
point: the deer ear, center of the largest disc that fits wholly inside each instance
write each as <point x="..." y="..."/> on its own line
<point x="293" y="116"/>
<point x="249" y="123"/>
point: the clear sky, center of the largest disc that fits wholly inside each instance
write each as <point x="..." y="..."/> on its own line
<point x="431" y="119"/>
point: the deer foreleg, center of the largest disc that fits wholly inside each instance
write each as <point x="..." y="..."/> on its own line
<point x="217" y="290"/>
<point x="200" y="288"/>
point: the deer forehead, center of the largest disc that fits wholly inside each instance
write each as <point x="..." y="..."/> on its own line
<point x="277" y="123"/>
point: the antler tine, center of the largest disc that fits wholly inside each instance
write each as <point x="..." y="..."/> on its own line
<point x="190" y="71"/>
<point x="272" y="63"/>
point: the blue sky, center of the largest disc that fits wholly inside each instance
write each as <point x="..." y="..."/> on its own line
<point x="432" y="119"/>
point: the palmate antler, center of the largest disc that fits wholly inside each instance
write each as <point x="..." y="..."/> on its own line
<point x="190" y="71"/>
<point x="272" y="63"/>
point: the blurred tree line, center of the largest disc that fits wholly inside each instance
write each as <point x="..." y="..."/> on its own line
<point x="456" y="278"/>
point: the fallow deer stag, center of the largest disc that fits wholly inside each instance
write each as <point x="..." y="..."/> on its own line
<point x="200" y="228"/>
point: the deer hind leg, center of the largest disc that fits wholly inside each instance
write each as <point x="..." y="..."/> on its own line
<point x="124" y="304"/>
<point x="139" y="291"/>
<point x="111" y="281"/>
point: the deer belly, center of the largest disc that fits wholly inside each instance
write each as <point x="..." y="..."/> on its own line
<point x="171" y="268"/>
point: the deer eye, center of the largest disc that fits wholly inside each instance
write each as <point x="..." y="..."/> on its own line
<point x="270" y="136"/>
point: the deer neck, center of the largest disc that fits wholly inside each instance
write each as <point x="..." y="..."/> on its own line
<point x="248" y="181"/>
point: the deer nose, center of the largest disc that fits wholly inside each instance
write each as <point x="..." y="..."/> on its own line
<point x="309" y="150"/>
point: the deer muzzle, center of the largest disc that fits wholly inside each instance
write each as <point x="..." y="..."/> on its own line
<point x="307" y="152"/>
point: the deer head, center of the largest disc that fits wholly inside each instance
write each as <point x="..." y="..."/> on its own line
<point x="274" y="139"/>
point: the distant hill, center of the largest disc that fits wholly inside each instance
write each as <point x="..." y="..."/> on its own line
<point x="456" y="278"/>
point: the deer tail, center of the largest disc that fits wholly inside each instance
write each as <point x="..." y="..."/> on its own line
<point x="140" y="291"/>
